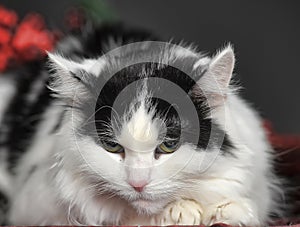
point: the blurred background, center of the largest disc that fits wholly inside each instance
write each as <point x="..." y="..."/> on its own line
<point x="265" y="35"/>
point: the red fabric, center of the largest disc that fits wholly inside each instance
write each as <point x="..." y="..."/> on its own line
<point x="287" y="147"/>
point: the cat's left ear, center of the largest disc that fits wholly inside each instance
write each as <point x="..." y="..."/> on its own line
<point x="215" y="81"/>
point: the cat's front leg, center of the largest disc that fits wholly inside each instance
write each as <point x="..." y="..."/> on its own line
<point x="242" y="213"/>
<point x="180" y="212"/>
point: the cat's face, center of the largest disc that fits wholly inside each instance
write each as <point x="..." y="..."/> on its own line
<point x="137" y="136"/>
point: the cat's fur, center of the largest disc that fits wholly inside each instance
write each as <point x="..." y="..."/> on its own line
<point x="65" y="176"/>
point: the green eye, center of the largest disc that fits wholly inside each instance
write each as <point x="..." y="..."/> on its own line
<point x="112" y="147"/>
<point x="168" y="147"/>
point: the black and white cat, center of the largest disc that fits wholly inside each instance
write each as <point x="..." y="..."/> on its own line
<point x="149" y="133"/>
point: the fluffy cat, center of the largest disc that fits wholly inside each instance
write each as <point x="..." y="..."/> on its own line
<point x="150" y="133"/>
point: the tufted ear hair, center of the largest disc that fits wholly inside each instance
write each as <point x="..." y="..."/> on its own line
<point x="215" y="81"/>
<point x="66" y="66"/>
<point x="69" y="76"/>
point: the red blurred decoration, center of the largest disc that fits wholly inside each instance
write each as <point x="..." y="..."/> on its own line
<point x="27" y="41"/>
<point x="8" y="17"/>
<point x="5" y="36"/>
<point x="31" y="39"/>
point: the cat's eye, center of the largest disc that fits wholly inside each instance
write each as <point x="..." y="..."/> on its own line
<point x="112" y="147"/>
<point x="168" y="147"/>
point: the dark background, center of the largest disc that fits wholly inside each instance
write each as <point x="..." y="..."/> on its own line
<point x="265" y="35"/>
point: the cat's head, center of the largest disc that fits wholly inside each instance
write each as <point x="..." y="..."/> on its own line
<point x="141" y="120"/>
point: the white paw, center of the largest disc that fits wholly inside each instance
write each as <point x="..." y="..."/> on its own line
<point x="231" y="213"/>
<point x="182" y="212"/>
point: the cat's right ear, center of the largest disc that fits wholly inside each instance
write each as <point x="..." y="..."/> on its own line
<point x="69" y="75"/>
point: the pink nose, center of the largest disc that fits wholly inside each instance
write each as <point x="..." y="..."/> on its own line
<point x="139" y="187"/>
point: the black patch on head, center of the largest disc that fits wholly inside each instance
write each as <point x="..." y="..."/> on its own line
<point x="169" y="113"/>
<point x="125" y="77"/>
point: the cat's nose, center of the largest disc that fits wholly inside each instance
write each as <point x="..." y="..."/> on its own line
<point x="139" y="187"/>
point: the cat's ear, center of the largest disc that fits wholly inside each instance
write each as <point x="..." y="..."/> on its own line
<point x="69" y="76"/>
<point x="218" y="72"/>
<point x="222" y="65"/>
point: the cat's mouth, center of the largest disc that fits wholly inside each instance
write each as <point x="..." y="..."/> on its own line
<point x="142" y="199"/>
<point x="142" y="202"/>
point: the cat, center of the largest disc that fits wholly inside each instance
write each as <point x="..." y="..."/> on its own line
<point x="117" y="128"/>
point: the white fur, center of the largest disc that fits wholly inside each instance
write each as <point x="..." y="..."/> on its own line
<point x="78" y="182"/>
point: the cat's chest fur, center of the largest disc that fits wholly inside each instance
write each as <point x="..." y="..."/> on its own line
<point x="150" y="133"/>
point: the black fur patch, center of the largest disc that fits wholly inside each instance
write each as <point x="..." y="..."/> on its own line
<point x="118" y="83"/>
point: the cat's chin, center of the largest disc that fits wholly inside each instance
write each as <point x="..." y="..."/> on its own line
<point x="148" y="207"/>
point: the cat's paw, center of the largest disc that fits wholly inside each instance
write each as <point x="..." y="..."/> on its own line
<point x="182" y="212"/>
<point x="231" y="213"/>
